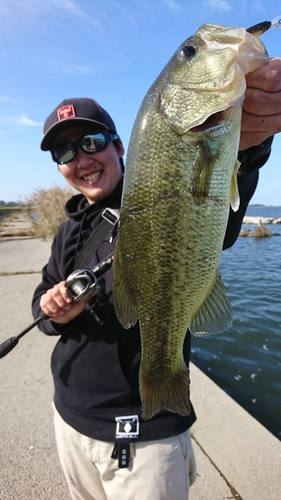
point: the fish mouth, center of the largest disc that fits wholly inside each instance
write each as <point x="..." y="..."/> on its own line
<point x="210" y="122"/>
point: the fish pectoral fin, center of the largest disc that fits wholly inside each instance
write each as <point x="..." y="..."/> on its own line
<point x="125" y="309"/>
<point x="215" y="314"/>
<point x="234" y="192"/>
<point x="171" y="394"/>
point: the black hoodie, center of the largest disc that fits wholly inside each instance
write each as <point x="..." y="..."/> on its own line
<point x="95" y="368"/>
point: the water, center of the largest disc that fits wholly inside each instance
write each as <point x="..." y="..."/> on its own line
<point x="245" y="361"/>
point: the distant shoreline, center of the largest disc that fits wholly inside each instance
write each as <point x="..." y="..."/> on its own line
<point x="18" y="224"/>
<point x="258" y="205"/>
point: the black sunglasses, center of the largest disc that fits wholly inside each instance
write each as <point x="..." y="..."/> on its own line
<point x="89" y="143"/>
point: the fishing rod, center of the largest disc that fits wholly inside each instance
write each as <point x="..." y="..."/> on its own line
<point x="82" y="285"/>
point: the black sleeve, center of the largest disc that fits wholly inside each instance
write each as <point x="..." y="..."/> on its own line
<point x="53" y="272"/>
<point x="251" y="160"/>
<point x="48" y="281"/>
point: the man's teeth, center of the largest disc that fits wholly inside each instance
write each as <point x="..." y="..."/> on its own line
<point x="91" y="178"/>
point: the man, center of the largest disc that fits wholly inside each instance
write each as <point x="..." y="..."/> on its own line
<point x="95" y="364"/>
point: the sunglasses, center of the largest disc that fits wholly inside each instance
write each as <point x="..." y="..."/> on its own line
<point x="90" y="143"/>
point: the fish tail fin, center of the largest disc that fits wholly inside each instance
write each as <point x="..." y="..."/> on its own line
<point x="171" y="395"/>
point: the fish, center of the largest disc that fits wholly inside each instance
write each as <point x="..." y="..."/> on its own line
<point x="180" y="180"/>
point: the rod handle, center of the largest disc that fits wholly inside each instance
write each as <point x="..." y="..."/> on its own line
<point x="7" y="346"/>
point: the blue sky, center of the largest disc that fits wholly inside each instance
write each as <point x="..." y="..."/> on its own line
<point x="111" y="50"/>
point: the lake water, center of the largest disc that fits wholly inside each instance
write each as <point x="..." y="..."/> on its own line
<point x="245" y="360"/>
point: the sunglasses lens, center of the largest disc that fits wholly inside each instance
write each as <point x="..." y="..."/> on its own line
<point x="64" y="153"/>
<point x="92" y="143"/>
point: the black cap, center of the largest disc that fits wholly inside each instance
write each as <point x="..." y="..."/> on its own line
<point x="72" y="112"/>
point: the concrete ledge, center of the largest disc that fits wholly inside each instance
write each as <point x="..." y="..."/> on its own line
<point x="23" y="255"/>
<point x="236" y="456"/>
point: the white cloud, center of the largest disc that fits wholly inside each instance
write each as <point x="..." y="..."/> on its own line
<point x="22" y="120"/>
<point x="17" y="16"/>
<point x="220" y="5"/>
<point x="4" y="98"/>
<point x="172" y="5"/>
<point x="72" y="8"/>
<point x="77" y="69"/>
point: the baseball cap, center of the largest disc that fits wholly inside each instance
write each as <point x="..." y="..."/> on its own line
<point x="72" y="112"/>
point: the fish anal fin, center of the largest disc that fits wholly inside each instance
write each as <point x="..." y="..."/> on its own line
<point x="171" y="394"/>
<point x="234" y="193"/>
<point x="125" y="309"/>
<point x="215" y="314"/>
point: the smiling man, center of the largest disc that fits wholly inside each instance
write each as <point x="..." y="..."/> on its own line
<point x="69" y="137"/>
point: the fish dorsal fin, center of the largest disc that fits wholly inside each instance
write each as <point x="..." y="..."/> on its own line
<point x="234" y="193"/>
<point x="125" y="309"/>
<point x="215" y="314"/>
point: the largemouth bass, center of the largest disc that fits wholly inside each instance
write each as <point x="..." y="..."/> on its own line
<point x="180" y="181"/>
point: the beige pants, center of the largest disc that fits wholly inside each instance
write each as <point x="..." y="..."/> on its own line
<point x="159" y="470"/>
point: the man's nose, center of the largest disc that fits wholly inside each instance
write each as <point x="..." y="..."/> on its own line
<point x="83" y="159"/>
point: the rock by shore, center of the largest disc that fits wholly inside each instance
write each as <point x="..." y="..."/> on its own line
<point x="261" y="220"/>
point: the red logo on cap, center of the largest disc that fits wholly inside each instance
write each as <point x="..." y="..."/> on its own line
<point x="65" y="112"/>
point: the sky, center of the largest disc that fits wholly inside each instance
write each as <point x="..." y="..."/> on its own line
<point x="110" y="50"/>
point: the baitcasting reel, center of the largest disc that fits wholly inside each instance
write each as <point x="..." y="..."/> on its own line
<point x="87" y="285"/>
<point x="83" y="284"/>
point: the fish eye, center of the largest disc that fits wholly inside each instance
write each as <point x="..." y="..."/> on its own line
<point x="188" y="51"/>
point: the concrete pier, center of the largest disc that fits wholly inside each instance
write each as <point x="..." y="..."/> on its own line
<point x="237" y="458"/>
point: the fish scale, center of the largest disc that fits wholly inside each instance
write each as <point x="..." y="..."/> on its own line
<point x="180" y="180"/>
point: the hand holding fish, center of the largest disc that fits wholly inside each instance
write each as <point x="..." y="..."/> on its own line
<point x="261" y="117"/>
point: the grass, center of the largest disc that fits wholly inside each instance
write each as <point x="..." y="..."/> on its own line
<point x="262" y="232"/>
<point x="40" y="215"/>
<point x="45" y="208"/>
